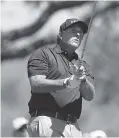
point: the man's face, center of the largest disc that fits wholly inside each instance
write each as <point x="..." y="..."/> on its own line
<point x="72" y="36"/>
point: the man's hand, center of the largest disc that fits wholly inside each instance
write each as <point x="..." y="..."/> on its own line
<point x="73" y="81"/>
<point x="81" y="73"/>
<point x="78" y="71"/>
<point x="76" y="79"/>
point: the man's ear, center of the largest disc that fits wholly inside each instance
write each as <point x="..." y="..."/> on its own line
<point x="60" y="35"/>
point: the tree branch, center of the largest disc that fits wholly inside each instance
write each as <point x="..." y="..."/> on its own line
<point x="25" y="49"/>
<point x="101" y="10"/>
<point x="22" y="51"/>
<point x="52" y="7"/>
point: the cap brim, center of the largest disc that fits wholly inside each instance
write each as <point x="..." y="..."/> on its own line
<point x="83" y="25"/>
<point x="79" y="23"/>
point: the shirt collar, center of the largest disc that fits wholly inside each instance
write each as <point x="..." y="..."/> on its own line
<point x="60" y="51"/>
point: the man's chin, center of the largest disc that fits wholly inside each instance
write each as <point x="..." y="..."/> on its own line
<point x="74" y="45"/>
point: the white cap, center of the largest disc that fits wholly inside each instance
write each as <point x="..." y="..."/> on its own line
<point x="98" y="134"/>
<point x="19" y="122"/>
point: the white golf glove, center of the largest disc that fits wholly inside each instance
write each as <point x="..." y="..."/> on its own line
<point x="76" y="79"/>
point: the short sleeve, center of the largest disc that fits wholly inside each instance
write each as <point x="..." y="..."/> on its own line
<point x="89" y="73"/>
<point x="38" y="63"/>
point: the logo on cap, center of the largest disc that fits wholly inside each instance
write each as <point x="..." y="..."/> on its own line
<point x="73" y="21"/>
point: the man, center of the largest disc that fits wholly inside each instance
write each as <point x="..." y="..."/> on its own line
<point x="58" y="84"/>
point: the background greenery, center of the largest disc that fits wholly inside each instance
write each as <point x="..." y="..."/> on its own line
<point x="102" y="53"/>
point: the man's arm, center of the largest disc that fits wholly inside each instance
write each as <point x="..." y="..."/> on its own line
<point x="87" y="90"/>
<point x="86" y="87"/>
<point x="39" y="84"/>
<point x="37" y="71"/>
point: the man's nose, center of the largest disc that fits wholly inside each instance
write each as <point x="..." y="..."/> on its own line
<point x="77" y="34"/>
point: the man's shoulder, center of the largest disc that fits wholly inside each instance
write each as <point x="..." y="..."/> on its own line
<point x="43" y="51"/>
<point x="40" y="50"/>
